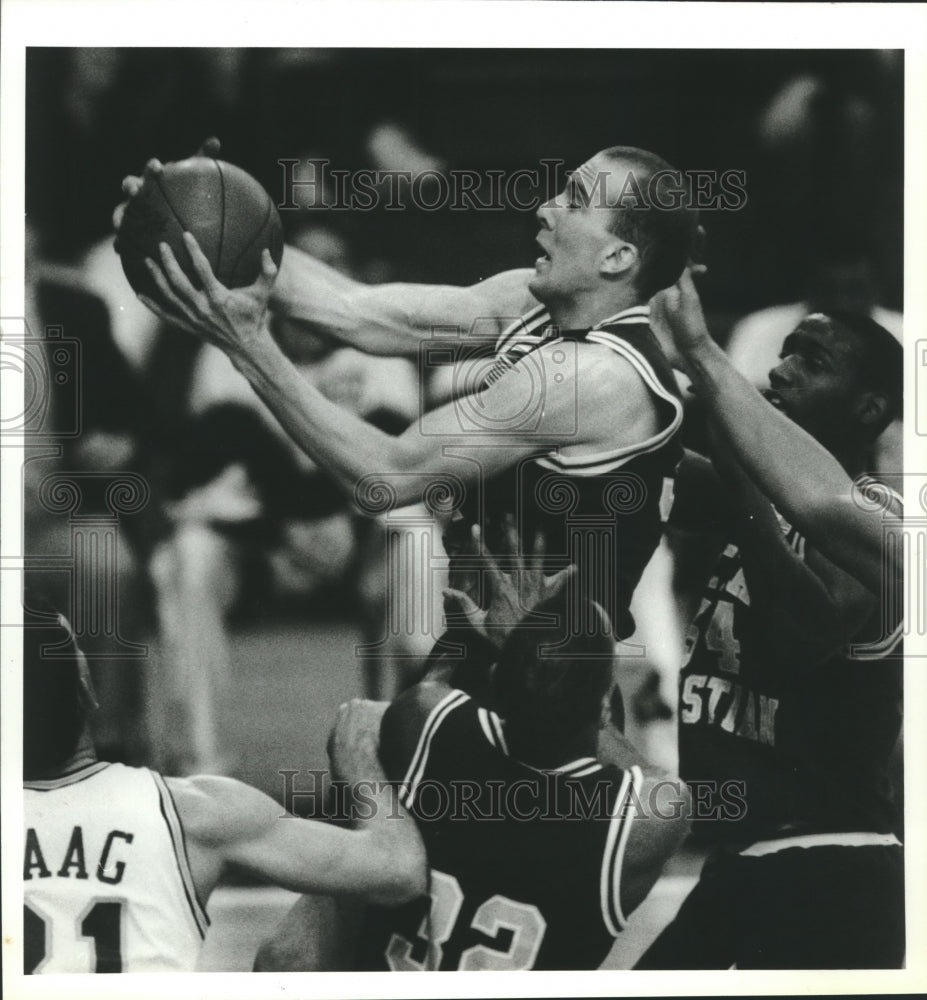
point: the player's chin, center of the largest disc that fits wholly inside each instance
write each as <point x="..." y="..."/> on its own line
<point x="539" y="286"/>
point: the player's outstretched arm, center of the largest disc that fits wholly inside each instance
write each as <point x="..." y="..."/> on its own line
<point x="394" y="319"/>
<point x="806" y="604"/>
<point x="805" y="482"/>
<point x="229" y="823"/>
<point x="390" y="319"/>
<point x="528" y="413"/>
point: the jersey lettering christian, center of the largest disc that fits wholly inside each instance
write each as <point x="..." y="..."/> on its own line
<point x="525" y="864"/>
<point x="602" y="510"/>
<point x="107" y="885"/>
<point x="798" y="745"/>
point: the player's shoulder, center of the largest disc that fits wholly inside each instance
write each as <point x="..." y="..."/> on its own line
<point x="421" y="699"/>
<point x="412" y="720"/>
<point x="505" y="296"/>
<point x="211" y="807"/>
<point x="627" y="350"/>
<point x="594" y="365"/>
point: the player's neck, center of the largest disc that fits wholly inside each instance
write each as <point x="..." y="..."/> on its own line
<point x="592" y="307"/>
<point x="84" y="754"/>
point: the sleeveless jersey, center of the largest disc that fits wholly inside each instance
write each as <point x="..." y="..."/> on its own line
<point x="773" y="748"/>
<point x="106" y="880"/>
<point x="600" y="510"/>
<point x="525" y="864"/>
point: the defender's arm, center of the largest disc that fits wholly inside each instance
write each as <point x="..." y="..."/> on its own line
<point x="229" y="823"/>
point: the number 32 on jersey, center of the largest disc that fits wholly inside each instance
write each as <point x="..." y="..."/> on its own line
<point x="495" y="914"/>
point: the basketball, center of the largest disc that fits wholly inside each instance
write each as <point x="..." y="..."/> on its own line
<point x="225" y="208"/>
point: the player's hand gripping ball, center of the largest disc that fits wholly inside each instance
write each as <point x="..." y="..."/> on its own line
<point x="232" y="217"/>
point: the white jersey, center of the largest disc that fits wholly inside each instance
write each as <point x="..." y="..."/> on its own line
<point x="107" y="884"/>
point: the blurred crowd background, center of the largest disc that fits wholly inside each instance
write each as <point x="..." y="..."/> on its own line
<point x="234" y="513"/>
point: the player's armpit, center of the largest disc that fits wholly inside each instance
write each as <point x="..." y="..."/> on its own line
<point x="848" y="604"/>
<point x="701" y="501"/>
<point x="807" y="607"/>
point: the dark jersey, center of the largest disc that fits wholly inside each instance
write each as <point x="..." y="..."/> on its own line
<point x="773" y="748"/>
<point x="600" y="511"/>
<point x="525" y="864"/>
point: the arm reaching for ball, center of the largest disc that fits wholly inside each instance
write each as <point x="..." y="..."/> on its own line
<point x="394" y="319"/>
<point x="440" y="442"/>
<point x="799" y="475"/>
<point x="389" y="320"/>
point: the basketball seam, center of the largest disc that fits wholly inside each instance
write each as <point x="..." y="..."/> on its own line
<point x="222" y="217"/>
<point x="250" y="244"/>
<point x="174" y="212"/>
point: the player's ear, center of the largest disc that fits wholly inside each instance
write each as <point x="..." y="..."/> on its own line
<point x="620" y="258"/>
<point x="871" y="407"/>
<point x="612" y="710"/>
<point x="88" y="694"/>
<point x="605" y="713"/>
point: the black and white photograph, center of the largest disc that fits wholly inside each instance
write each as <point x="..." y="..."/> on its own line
<point x="454" y="473"/>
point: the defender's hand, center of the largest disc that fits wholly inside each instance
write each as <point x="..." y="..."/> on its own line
<point x="511" y="594"/>
<point x="678" y="311"/>
<point x="355" y="739"/>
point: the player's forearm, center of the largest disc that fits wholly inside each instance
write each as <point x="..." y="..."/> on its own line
<point x="392" y="851"/>
<point x="388" y="851"/>
<point x="377" y="319"/>
<point x="339" y="441"/>
<point x="308" y="290"/>
<point x="394" y="319"/>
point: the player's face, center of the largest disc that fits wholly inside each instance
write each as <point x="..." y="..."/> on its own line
<point x="817" y="381"/>
<point x="575" y="234"/>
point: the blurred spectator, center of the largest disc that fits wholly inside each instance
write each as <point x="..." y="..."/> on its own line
<point x="841" y="279"/>
<point x="830" y="163"/>
<point x="98" y="419"/>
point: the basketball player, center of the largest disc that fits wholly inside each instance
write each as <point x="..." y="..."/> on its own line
<point x="792" y="684"/>
<point x="538" y="849"/>
<point x="579" y="403"/>
<point x="119" y="862"/>
<point x="798" y="474"/>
